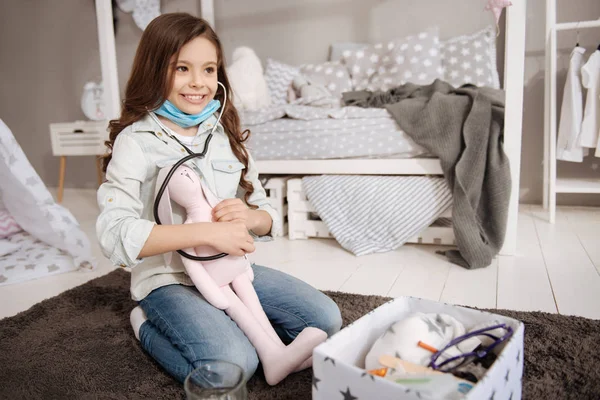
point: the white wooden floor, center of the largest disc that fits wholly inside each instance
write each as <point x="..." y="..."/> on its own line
<point x="557" y="268"/>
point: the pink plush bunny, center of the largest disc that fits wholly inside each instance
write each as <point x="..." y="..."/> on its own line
<point x="226" y="283"/>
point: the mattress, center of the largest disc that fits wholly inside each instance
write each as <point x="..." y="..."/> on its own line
<point x="309" y="133"/>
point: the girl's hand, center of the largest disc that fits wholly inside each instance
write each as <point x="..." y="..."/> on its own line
<point x="234" y="210"/>
<point x="232" y="238"/>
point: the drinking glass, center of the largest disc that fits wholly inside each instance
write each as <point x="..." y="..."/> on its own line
<point x="216" y="380"/>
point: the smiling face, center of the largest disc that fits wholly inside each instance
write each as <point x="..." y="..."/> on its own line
<point x="194" y="76"/>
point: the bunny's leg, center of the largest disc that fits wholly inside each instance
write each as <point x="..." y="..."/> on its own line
<point x="246" y="293"/>
<point x="204" y="282"/>
<point x="277" y="361"/>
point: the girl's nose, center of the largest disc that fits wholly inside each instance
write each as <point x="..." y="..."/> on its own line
<point x="197" y="81"/>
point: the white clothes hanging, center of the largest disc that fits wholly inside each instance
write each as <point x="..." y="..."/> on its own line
<point x="590" y="78"/>
<point x="571" y="113"/>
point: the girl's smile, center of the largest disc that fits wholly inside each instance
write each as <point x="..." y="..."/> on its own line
<point x="194" y="76"/>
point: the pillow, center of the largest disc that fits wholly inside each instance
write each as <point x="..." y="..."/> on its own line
<point x="471" y="59"/>
<point x="6" y="247"/>
<point x="415" y="58"/>
<point x="332" y="75"/>
<point x="337" y="49"/>
<point x="279" y="77"/>
<point x="8" y="225"/>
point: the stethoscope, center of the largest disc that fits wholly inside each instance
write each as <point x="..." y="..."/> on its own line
<point x="191" y="155"/>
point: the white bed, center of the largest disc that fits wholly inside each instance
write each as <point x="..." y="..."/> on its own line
<point x="514" y="35"/>
<point x="514" y="46"/>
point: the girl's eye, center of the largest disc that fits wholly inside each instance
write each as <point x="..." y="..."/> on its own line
<point x="210" y="70"/>
<point x="182" y="68"/>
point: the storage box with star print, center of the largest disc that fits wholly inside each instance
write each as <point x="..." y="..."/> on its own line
<point x="338" y="363"/>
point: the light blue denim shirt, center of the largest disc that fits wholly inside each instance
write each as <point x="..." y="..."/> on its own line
<point x="126" y="199"/>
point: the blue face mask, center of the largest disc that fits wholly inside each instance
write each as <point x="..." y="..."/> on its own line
<point x="168" y="110"/>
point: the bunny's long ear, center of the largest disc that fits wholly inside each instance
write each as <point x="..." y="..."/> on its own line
<point x="165" y="211"/>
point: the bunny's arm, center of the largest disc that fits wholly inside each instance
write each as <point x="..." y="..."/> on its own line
<point x="204" y="283"/>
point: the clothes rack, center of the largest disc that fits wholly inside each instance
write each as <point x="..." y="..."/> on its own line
<point x="552" y="183"/>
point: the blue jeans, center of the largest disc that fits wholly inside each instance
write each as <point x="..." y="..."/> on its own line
<point x="183" y="329"/>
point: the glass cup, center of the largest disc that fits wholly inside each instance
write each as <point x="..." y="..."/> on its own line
<point x="216" y="380"/>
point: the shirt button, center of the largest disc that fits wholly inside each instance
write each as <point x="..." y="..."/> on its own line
<point x="123" y="266"/>
<point x="110" y="200"/>
<point x="182" y="150"/>
<point x="159" y="134"/>
<point x="209" y="125"/>
<point x="230" y="167"/>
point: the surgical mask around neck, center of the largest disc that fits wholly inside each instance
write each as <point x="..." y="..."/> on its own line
<point x="175" y="115"/>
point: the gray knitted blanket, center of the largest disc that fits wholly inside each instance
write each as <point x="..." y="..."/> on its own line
<point x="464" y="128"/>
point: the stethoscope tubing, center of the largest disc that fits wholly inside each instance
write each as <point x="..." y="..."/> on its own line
<point x="191" y="155"/>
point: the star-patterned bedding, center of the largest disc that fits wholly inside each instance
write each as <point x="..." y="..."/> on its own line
<point x="51" y="236"/>
<point x="32" y="259"/>
<point x="294" y="132"/>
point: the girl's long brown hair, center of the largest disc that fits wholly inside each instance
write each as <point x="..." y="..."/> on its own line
<point x="150" y="81"/>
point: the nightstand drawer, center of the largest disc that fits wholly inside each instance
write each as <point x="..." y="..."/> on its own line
<point x="80" y="138"/>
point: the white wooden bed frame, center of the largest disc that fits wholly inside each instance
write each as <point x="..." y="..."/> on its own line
<point x="514" y="61"/>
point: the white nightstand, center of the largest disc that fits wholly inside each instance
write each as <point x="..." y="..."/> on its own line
<point x="79" y="138"/>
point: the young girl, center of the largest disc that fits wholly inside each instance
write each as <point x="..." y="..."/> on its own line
<point x="170" y="103"/>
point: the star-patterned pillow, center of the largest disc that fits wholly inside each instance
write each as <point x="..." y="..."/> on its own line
<point x="415" y="58"/>
<point x="333" y="75"/>
<point x="471" y="59"/>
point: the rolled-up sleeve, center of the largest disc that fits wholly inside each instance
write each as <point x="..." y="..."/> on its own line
<point x="259" y="199"/>
<point x="121" y="231"/>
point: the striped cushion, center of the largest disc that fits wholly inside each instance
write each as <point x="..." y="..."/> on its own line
<point x="8" y="225"/>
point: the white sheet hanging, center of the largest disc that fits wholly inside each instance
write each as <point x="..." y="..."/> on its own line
<point x="571" y="113"/>
<point x="590" y="78"/>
